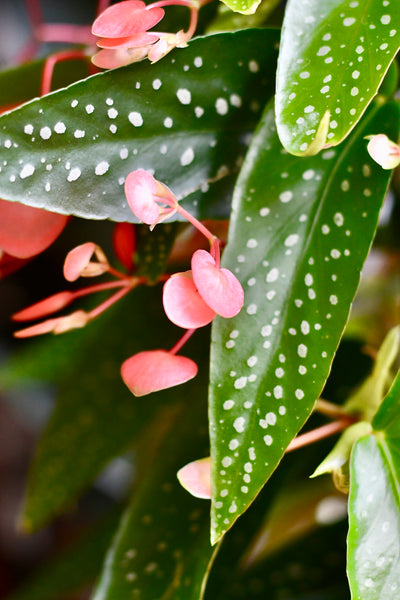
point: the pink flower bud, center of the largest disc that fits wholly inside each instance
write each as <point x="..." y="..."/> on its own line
<point x="155" y="370"/>
<point x="219" y="288"/>
<point x="183" y="304"/>
<point x="385" y="152"/>
<point x="45" y="307"/>
<point x="195" y="477"/>
<point x="78" y="262"/>
<point x="75" y="320"/>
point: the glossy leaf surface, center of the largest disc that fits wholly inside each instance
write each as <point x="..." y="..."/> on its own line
<point x="162" y="547"/>
<point x="245" y="7"/>
<point x="300" y="232"/>
<point x="72" y="150"/>
<point x="332" y="60"/>
<point x="374" y="523"/>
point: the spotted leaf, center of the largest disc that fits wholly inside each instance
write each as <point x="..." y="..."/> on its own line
<point x="333" y="58"/>
<point x="70" y="151"/>
<point x="162" y="548"/>
<point x="300" y="231"/>
<point x="374" y="523"/>
<point x="244" y="7"/>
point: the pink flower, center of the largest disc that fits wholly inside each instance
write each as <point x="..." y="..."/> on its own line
<point x="78" y="262"/>
<point x="192" y="299"/>
<point x="75" y="320"/>
<point x="26" y="231"/>
<point x="183" y="304"/>
<point x="144" y="193"/>
<point x="195" y="477"/>
<point x="155" y="370"/>
<point x="385" y="152"/>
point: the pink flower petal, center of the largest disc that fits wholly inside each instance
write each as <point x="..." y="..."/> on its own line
<point x="75" y="320"/>
<point x="183" y="304"/>
<point x="134" y="41"/>
<point x="155" y="370"/>
<point x="126" y="18"/>
<point x="26" y="231"/>
<point x="219" y="288"/>
<point x="140" y="189"/>
<point x="195" y="477"/>
<point x="45" y="307"/>
<point x="78" y="262"/>
<point x="383" y="151"/>
<point x="113" y="59"/>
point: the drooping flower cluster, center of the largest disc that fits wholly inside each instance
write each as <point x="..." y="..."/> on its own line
<point x="191" y="299"/>
<point x="124" y="36"/>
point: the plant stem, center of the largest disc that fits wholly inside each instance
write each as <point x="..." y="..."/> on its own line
<point x="319" y="434"/>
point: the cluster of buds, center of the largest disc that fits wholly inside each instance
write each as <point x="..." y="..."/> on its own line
<point x="124" y="36"/>
<point x="191" y="299"/>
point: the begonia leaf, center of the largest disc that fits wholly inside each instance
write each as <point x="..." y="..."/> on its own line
<point x="337" y="53"/>
<point x="71" y="150"/>
<point x="244" y="7"/>
<point x="94" y="408"/>
<point x="300" y="232"/>
<point x="76" y="566"/>
<point x="162" y="547"/>
<point x="374" y="523"/>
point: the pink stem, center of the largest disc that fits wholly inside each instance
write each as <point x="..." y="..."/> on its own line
<point x="101" y="6"/>
<point x="180" y="343"/>
<point x="34" y="13"/>
<point x="109" y="302"/>
<point x="318" y="434"/>
<point x="100" y="287"/>
<point x="27" y="53"/>
<point x="60" y="32"/>
<point x="50" y="63"/>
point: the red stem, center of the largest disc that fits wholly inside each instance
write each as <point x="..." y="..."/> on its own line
<point x="180" y="343"/>
<point x="319" y="434"/>
<point x="50" y="63"/>
<point x="64" y="32"/>
<point x="109" y="302"/>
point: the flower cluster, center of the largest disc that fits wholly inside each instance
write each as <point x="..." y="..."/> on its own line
<point x="191" y="299"/>
<point x="124" y="36"/>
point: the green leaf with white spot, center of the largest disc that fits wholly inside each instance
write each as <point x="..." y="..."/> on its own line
<point x="301" y="229"/>
<point x="332" y="60"/>
<point x="162" y="548"/>
<point x="374" y="521"/>
<point x="244" y="7"/>
<point x="71" y="151"/>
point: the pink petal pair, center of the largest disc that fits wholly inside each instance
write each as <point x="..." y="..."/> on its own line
<point x="26" y="231"/>
<point x="155" y="370"/>
<point x="126" y="19"/>
<point x="192" y="299"/>
<point x="78" y="262"/>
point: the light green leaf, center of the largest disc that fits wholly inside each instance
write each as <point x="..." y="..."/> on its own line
<point x="300" y="232"/>
<point x="185" y="118"/>
<point x="374" y="523"/>
<point x="244" y="7"/>
<point x="332" y="60"/>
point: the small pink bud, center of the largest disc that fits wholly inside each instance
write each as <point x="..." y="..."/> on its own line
<point x="155" y="370"/>
<point x="125" y="19"/>
<point x="26" y="231"/>
<point x="183" y="304"/>
<point x="195" y="477"/>
<point x="78" y="262"/>
<point x="45" y="307"/>
<point x="219" y="288"/>
<point x="75" y="320"/>
<point x="383" y="151"/>
<point x="140" y="189"/>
